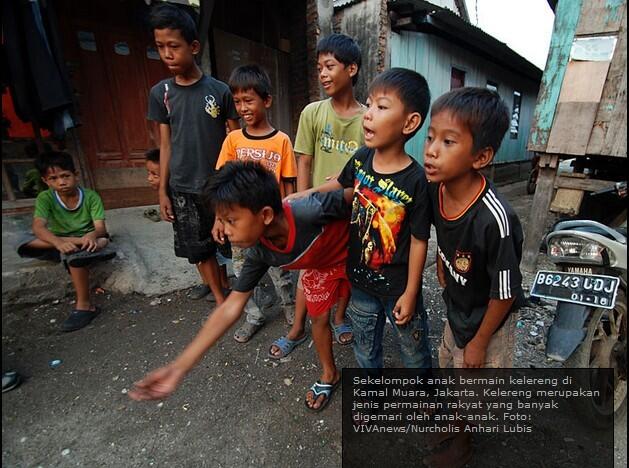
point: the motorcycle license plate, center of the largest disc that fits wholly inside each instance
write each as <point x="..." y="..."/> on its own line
<point x="578" y="288"/>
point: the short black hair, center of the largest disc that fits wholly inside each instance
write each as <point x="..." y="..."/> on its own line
<point x="167" y="16"/>
<point x="246" y="184"/>
<point x="152" y="155"/>
<point x="344" y="48"/>
<point x="246" y="77"/>
<point x="483" y="112"/>
<point x="50" y="159"/>
<point x="409" y="86"/>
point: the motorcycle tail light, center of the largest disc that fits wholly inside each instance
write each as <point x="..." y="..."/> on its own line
<point x="574" y="250"/>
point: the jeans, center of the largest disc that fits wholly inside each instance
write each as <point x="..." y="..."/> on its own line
<point x="368" y="315"/>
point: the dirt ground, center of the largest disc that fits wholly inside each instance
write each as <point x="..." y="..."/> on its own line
<point x="237" y="408"/>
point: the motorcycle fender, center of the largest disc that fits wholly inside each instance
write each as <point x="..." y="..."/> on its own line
<point x="567" y="331"/>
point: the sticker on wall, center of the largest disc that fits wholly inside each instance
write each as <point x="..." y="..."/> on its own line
<point x="122" y="48"/>
<point x="593" y="49"/>
<point x="87" y="40"/>
<point x="151" y="53"/>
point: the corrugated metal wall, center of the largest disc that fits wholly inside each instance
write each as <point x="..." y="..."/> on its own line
<point x="434" y="58"/>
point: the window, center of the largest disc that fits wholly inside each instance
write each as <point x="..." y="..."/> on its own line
<point x="457" y="78"/>
<point x="514" y="128"/>
<point x="492" y="85"/>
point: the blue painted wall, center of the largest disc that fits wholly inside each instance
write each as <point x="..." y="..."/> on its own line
<point x="434" y="58"/>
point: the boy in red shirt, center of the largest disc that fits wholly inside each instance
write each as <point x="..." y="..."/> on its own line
<point x="309" y="234"/>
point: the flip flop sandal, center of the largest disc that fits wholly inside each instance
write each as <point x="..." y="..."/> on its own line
<point x="152" y="214"/>
<point x="339" y="330"/>
<point x="319" y="388"/>
<point x="246" y="331"/>
<point x="286" y="346"/>
<point x="83" y="258"/>
<point x="289" y="314"/>
<point x="10" y="380"/>
<point x="199" y="291"/>
<point x="79" y="319"/>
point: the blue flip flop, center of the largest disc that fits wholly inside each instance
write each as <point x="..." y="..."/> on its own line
<point x="339" y="330"/>
<point x="319" y="388"/>
<point x="286" y="346"/>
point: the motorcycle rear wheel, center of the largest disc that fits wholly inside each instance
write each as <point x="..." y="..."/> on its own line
<point x="604" y="346"/>
<point x="531" y="183"/>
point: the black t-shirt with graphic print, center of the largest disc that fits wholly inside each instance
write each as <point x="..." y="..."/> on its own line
<point x="386" y="210"/>
<point x="481" y="251"/>
<point x="196" y="115"/>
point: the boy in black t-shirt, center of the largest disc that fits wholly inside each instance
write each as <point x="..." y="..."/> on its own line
<point x="390" y="223"/>
<point x="192" y="110"/>
<point x="479" y="240"/>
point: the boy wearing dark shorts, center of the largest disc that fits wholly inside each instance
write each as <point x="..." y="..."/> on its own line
<point x="192" y="110"/>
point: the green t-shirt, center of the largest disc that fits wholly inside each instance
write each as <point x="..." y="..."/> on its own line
<point x="63" y="222"/>
<point x="331" y="140"/>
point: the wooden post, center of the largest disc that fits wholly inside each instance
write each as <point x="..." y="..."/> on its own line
<point x="539" y="210"/>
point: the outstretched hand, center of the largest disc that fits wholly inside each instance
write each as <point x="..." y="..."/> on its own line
<point x="159" y="384"/>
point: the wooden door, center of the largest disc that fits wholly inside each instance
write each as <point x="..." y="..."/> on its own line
<point x="118" y="68"/>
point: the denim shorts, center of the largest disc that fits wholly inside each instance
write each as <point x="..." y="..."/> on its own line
<point x="368" y="314"/>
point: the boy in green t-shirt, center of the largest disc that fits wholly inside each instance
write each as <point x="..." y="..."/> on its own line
<point x="329" y="133"/>
<point x="68" y="225"/>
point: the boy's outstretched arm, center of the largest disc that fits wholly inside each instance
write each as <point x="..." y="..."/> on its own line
<point x="405" y="305"/>
<point x="474" y="352"/>
<point x="161" y="383"/>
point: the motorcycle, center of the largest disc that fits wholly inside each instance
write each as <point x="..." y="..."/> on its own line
<point x="590" y="323"/>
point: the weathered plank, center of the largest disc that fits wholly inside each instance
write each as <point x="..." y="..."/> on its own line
<point x="583" y="82"/>
<point x="567" y="201"/>
<point x="609" y="133"/>
<point x="588" y="185"/>
<point x="600" y="16"/>
<point x="538" y="220"/>
<point x="572" y="127"/>
<point x="566" y="18"/>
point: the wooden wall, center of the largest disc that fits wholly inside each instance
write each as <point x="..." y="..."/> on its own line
<point x="582" y="104"/>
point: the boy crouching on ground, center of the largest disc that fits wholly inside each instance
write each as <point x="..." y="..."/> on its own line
<point x="68" y="225"/>
<point x="309" y="233"/>
<point x="479" y="241"/>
